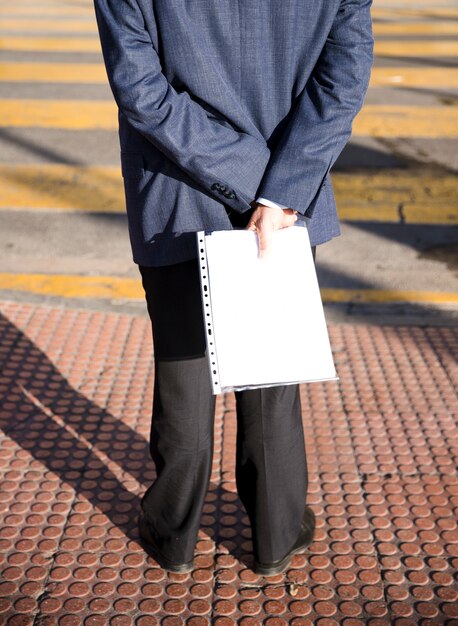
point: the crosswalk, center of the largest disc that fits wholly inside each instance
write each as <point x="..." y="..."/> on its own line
<point x="40" y="43"/>
<point x="54" y="43"/>
<point x="94" y="73"/>
<point x="429" y="10"/>
<point x="85" y="26"/>
<point x="425" y="199"/>
<point x="116" y="288"/>
<point x="374" y="120"/>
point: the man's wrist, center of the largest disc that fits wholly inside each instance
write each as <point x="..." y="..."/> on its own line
<point x="271" y="203"/>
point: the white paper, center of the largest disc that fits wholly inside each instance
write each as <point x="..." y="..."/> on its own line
<point x="264" y="317"/>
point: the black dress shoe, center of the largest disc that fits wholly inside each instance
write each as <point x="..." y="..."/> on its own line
<point x="147" y="541"/>
<point x="305" y="538"/>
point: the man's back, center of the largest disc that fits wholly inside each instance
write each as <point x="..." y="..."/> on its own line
<point x="244" y="61"/>
<point x="223" y="101"/>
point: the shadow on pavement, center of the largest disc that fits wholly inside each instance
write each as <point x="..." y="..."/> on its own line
<point x="78" y="440"/>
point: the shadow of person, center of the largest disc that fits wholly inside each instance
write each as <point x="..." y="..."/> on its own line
<point x="103" y="459"/>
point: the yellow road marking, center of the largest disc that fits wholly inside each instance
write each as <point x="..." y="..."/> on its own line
<point x="71" y="286"/>
<point x="49" y="26"/>
<point x="416" y="48"/>
<point x="61" y="187"/>
<point x="374" y="120"/>
<point x="38" y="12"/>
<point x="388" y="295"/>
<point x="56" y="5"/>
<point x="419" y="198"/>
<point x="51" y="3"/>
<point x="415" y="28"/>
<point x="406" y="121"/>
<point x="115" y="288"/>
<point x="429" y="12"/>
<point x="63" y="26"/>
<point x="53" y="72"/>
<point x="396" y="3"/>
<point x="427" y="77"/>
<point x="50" y="44"/>
<point x="71" y="114"/>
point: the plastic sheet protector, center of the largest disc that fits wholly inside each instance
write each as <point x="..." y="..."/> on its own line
<point x="264" y="318"/>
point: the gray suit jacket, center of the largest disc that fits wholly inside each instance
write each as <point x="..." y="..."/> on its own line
<point x="223" y="101"/>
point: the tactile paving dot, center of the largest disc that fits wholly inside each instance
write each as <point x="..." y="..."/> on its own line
<point x="75" y="461"/>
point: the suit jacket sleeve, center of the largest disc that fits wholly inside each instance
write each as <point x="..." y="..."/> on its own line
<point x="211" y="153"/>
<point x="321" y="121"/>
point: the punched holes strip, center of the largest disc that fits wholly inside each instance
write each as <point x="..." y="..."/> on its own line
<point x="208" y="315"/>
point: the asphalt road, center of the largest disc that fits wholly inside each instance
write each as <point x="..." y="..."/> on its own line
<point x="63" y="226"/>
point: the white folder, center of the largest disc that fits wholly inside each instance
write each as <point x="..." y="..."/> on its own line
<point x="264" y="318"/>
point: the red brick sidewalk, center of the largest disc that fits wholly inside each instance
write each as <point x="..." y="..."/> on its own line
<point x="75" y="418"/>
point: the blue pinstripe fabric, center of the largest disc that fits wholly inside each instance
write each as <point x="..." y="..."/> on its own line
<point x="223" y="102"/>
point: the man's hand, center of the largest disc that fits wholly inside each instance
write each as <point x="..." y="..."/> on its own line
<point x="265" y="220"/>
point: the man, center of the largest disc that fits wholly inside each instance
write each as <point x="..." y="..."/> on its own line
<point x="231" y="114"/>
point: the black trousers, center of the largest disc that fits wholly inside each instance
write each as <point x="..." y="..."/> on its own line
<point x="271" y="466"/>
